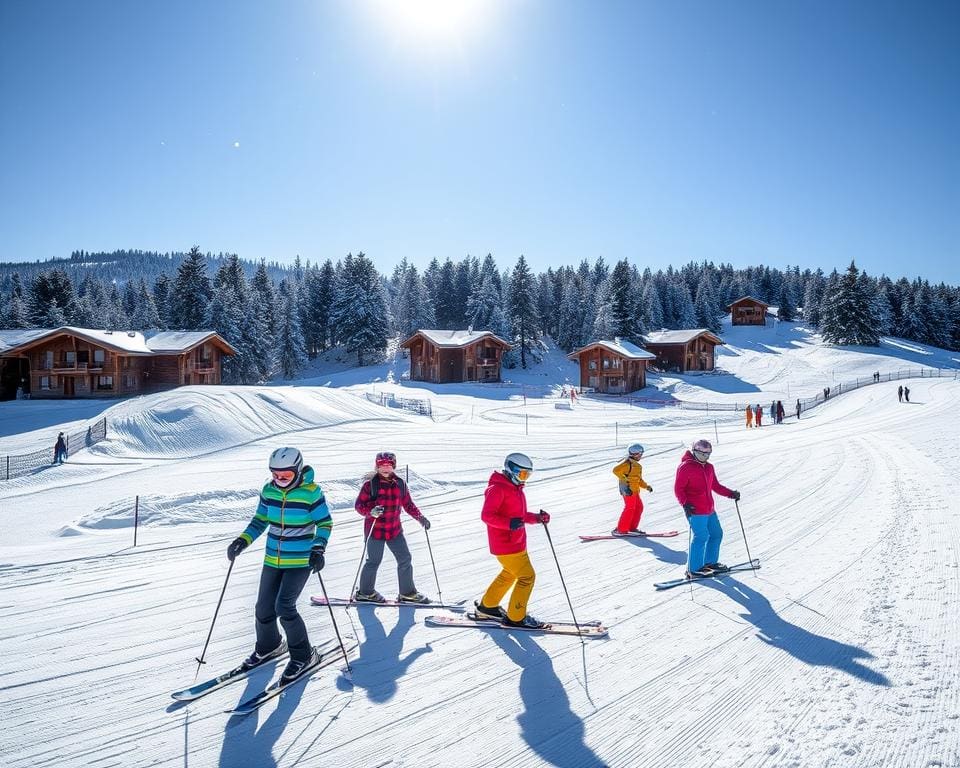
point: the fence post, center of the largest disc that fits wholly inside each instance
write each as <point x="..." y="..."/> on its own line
<point x="716" y="434"/>
<point x="8" y="467"/>
<point x="616" y="433"/>
<point x="136" y="518"/>
<point x="526" y="424"/>
<point x="408" y="475"/>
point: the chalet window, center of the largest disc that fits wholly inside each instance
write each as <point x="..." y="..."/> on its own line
<point x="48" y="359"/>
<point x="98" y="356"/>
<point x="203" y="354"/>
<point x="592" y="365"/>
<point x="104" y="382"/>
<point x="83" y="356"/>
<point x="45" y="382"/>
<point x="71" y="358"/>
<point x="129" y="381"/>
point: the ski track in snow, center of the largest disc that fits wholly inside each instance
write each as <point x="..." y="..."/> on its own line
<point x="840" y="651"/>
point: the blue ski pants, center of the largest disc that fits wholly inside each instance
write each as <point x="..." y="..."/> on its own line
<point x="705" y="541"/>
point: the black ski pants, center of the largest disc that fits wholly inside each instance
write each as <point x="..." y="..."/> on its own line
<point x="279" y="590"/>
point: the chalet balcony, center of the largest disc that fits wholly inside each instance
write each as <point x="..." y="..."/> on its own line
<point x="203" y="368"/>
<point x="64" y="366"/>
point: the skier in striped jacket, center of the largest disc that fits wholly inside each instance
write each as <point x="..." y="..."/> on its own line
<point x="294" y="513"/>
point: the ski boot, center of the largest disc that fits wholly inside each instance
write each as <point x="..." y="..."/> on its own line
<point x="256" y="659"/>
<point x="527" y="622"/>
<point x="373" y="597"/>
<point x="414" y="597"/>
<point x="483" y="612"/>
<point x="295" y="667"/>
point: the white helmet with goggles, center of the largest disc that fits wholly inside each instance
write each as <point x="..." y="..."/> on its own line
<point x="518" y="467"/>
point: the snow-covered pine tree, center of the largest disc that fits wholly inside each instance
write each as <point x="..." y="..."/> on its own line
<point x="706" y="310"/>
<point x="847" y="314"/>
<point x="624" y="298"/>
<point x="813" y="297"/>
<point x="161" y="299"/>
<point x="359" y="308"/>
<point x="601" y="326"/>
<point x="449" y="315"/>
<point x="190" y="293"/>
<point x="785" y="307"/>
<point x="522" y="310"/>
<point x="15" y="311"/>
<point x="651" y="306"/>
<point x="144" y="314"/>
<point x="570" y="331"/>
<point x="291" y="353"/>
<point x="484" y="301"/>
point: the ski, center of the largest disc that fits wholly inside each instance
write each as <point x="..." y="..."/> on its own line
<point x="330" y="655"/>
<point x="591" y="629"/>
<point x="215" y="683"/>
<point x="343" y="601"/>
<point x="656" y="535"/>
<point x="738" y="568"/>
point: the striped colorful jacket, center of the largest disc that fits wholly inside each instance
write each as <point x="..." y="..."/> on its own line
<point x="298" y="519"/>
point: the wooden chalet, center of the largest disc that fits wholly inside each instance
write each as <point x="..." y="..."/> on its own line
<point x="443" y="357"/>
<point x="613" y="367"/>
<point x="748" y="311"/>
<point x="83" y="362"/>
<point x="689" y="350"/>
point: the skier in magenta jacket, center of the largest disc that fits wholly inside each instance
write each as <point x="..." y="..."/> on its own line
<point x="695" y="483"/>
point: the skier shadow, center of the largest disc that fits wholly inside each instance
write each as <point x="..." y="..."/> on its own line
<point x="660" y="551"/>
<point x="246" y="744"/>
<point x="800" y="643"/>
<point x="379" y="665"/>
<point x="547" y="724"/>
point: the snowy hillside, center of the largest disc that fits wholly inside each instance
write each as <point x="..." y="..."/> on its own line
<point x="841" y="651"/>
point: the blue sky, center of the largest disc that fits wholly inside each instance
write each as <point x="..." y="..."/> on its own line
<point x="780" y="133"/>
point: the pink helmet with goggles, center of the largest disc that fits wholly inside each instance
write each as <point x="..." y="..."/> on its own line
<point x="702" y="450"/>
<point x="385" y="458"/>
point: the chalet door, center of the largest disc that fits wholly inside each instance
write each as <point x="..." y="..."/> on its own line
<point x="68" y="386"/>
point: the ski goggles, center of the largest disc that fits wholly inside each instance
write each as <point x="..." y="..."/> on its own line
<point x="386" y="457"/>
<point x="636" y="455"/>
<point x="283" y="476"/>
<point x="523" y="474"/>
<point x="702" y="456"/>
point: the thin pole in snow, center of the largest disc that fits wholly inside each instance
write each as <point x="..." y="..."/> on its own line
<point x="716" y="434"/>
<point x="136" y="518"/>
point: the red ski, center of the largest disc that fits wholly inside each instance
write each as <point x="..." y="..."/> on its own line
<point x="645" y="535"/>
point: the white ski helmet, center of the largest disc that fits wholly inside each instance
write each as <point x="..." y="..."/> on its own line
<point x="635" y="450"/>
<point x="702" y="450"/>
<point x="518" y="466"/>
<point x="286" y="460"/>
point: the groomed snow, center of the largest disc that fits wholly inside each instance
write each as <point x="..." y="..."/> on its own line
<point x="841" y="651"/>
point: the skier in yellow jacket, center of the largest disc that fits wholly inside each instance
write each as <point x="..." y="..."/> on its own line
<point x="630" y="474"/>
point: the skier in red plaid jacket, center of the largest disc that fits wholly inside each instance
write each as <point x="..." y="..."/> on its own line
<point x="380" y="501"/>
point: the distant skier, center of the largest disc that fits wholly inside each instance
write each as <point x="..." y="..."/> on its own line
<point x="630" y="474"/>
<point x="900" y="393"/>
<point x="294" y="509"/>
<point x="60" y="450"/>
<point x="505" y="514"/>
<point x="758" y="415"/>
<point x="798" y="409"/>
<point x="773" y="412"/>
<point x="906" y="394"/>
<point x="780" y="412"/>
<point x="695" y="483"/>
<point x="381" y="498"/>
<point x="749" y="416"/>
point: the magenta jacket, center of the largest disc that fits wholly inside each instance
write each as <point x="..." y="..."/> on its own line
<point x="695" y="483"/>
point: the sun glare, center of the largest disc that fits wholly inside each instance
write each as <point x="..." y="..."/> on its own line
<point x="436" y="22"/>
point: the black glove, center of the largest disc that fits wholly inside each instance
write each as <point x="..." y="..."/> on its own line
<point x="376" y="512"/>
<point x="688" y="508"/>
<point x="625" y="490"/>
<point x="516" y="523"/>
<point x="736" y="496"/>
<point x="650" y="488"/>
<point x="236" y="547"/>
<point x="424" y="522"/>
<point x="316" y="559"/>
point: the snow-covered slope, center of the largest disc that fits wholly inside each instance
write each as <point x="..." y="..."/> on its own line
<point x="841" y="651"/>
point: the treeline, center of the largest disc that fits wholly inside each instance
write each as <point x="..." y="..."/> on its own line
<point x="279" y="317"/>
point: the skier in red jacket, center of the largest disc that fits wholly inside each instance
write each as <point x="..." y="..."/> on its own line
<point x="696" y="481"/>
<point x="505" y="513"/>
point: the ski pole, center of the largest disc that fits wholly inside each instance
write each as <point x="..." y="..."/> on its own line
<point x="562" y="582"/>
<point x="335" y="627"/>
<point x="360" y="564"/>
<point x="434" y="564"/>
<point x="199" y="660"/>
<point x="743" y="531"/>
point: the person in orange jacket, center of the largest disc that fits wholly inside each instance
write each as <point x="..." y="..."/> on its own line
<point x="749" y="416"/>
<point x="505" y="514"/>
<point x="630" y="474"/>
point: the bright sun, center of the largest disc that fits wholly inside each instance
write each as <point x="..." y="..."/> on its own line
<point x="431" y="21"/>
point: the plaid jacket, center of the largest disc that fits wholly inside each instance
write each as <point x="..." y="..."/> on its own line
<point x="392" y="499"/>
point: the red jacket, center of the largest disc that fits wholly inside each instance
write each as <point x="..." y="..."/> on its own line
<point x="387" y="526"/>
<point x="694" y="484"/>
<point x="502" y="501"/>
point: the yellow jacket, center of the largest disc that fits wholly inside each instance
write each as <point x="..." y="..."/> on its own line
<point x="630" y="474"/>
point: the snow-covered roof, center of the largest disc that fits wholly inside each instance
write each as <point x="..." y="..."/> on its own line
<point x="680" y="337"/>
<point x="133" y="342"/>
<point x="746" y="298"/>
<point x="14" y="337"/>
<point x="451" y="339"/>
<point x="176" y="341"/>
<point x="621" y="347"/>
